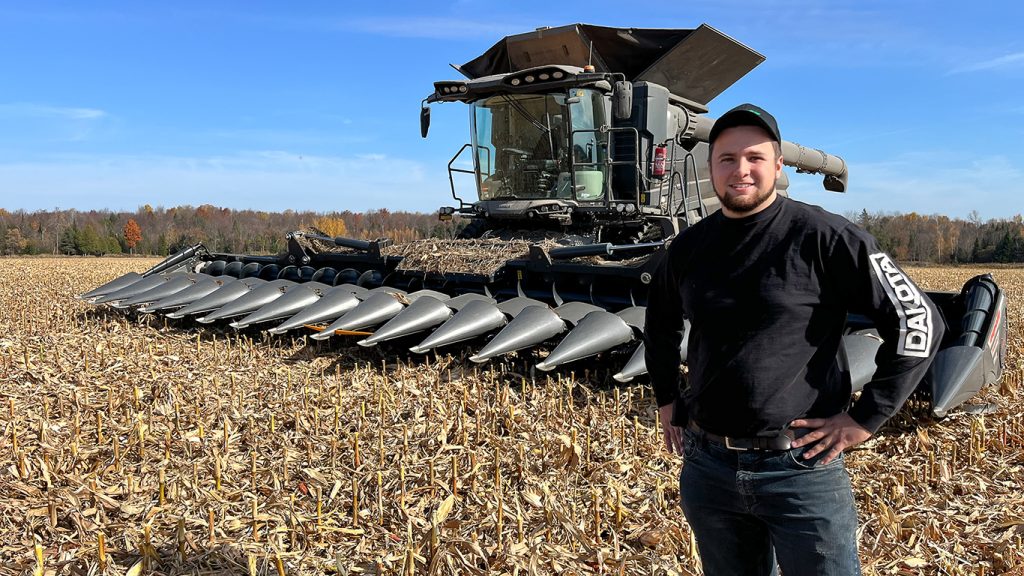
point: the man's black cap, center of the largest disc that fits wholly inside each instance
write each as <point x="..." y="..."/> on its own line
<point x="746" y="115"/>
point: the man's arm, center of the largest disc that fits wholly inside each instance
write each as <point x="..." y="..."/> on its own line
<point x="662" y="338"/>
<point x="909" y="325"/>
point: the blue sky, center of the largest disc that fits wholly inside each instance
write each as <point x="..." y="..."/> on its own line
<point x="314" y="105"/>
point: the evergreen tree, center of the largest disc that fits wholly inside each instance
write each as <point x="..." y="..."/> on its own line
<point x="111" y="245"/>
<point x="69" y="243"/>
<point x="89" y="242"/>
<point x="161" y="245"/>
<point x="864" y="220"/>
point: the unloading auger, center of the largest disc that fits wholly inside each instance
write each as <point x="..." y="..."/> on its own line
<point x="589" y="153"/>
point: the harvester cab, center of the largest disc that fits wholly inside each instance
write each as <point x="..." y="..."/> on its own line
<point x="601" y="130"/>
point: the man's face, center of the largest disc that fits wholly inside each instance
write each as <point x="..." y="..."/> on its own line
<point x="744" y="167"/>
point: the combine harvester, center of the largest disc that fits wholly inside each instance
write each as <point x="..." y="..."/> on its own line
<point x="589" y="152"/>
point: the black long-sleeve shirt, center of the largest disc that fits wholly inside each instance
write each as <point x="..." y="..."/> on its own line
<point x="767" y="298"/>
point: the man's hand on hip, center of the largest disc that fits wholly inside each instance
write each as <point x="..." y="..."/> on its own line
<point x="673" y="434"/>
<point x="833" y="435"/>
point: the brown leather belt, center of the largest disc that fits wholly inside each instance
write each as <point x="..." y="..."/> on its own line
<point x="774" y="443"/>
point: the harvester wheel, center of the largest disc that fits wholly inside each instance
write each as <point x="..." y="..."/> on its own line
<point x="474" y="229"/>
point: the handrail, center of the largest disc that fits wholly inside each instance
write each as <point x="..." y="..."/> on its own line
<point x="451" y="178"/>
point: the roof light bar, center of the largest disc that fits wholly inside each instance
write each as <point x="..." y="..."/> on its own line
<point x="450" y="88"/>
<point x="536" y="76"/>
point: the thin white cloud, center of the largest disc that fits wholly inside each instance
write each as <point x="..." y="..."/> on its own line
<point x="32" y="110"/>
<point x="266" y="180"/>
<point x="1015" y="59"/>
<point x="844" y="34"/>
<point x="280" y="137"/>
<point x="950" y="184"/>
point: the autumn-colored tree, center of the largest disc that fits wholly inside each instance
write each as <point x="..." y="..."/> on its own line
<point x="332" y="226"/>
<point x="132" y="234"/>
<point x="14" y="243"/>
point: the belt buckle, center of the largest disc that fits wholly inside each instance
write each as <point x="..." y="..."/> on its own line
<point x="786" y="438"/>
<point x="729" y="445"/>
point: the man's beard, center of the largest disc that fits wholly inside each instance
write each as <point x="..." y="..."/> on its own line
<point x="745" y="204"/>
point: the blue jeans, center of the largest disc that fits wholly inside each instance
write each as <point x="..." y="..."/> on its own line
<point x="749" y="510"/>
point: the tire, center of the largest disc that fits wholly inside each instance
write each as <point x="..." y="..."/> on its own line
<point x="475" y="229"/>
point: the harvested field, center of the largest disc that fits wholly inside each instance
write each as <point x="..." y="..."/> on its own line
<point x="128" y="448"/>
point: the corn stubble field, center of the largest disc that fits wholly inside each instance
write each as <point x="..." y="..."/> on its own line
<point x="131" y="448"/>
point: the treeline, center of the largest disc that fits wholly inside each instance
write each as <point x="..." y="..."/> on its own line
<point x="161" y="231"/>
<point x="942" y="240"/>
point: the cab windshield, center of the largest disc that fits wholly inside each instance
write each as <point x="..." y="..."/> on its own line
<point x="524" y="144"/>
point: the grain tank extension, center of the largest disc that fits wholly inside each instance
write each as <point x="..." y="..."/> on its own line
<point x="588" y="155"/>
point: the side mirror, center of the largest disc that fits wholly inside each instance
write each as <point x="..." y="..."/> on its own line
<point x="622" y="100"/>
<point x="424" y="120"/>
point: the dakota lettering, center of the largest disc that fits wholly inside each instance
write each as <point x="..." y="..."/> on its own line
<point x="906" y="293"/>
<point x="916" y="341"/>
<point x="915" y="319"/>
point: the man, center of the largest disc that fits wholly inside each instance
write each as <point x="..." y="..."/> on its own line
<point x="766" y="284"/>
